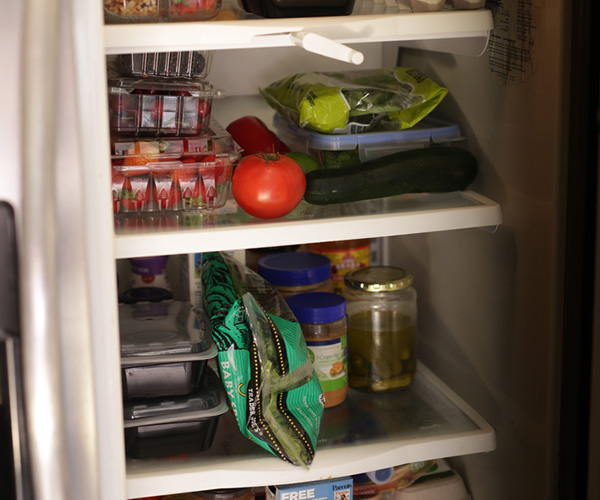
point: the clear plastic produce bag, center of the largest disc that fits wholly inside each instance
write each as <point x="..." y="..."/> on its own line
<point x="265" y="367"/>
<point x="350" y="102"/>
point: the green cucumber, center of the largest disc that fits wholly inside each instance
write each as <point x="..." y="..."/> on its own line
<point x="427" y="170"/>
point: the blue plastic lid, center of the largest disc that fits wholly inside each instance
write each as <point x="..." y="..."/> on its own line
<point x="317" y="307"/>
<point x="295" y="268"/>
<point x="430" y="129"/>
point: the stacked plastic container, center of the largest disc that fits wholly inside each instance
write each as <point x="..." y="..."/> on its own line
<point x="172" y="398"/>
<point x="167" y="154"/>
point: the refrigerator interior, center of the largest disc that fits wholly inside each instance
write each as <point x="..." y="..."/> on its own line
<point x="488" y="264"/>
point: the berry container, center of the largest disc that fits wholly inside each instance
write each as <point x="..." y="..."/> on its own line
<point x="165" y="347"/>
<point x="161" y="175"/>
<point x="190" y="64"/>
<point x="157" y="11"/>
<point x="160" y="106"/>
<point x="175" y="426"/>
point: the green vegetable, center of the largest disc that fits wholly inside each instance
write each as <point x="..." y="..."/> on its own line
<point x="307" y="162"/>
<point x="427" y="170"/>
<point x="354" y="101"/>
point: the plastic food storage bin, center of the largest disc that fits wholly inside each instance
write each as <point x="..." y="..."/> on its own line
<point x="175" y="426"/>
<point x="335" y="150"/>
<point x="298" y="8"/>
<point x="156" y="11"/>
<point x="173" y="174"/>
<point x="165" y="347"/>
<point x="190" y="64"/>
<point x="160" y="106"/>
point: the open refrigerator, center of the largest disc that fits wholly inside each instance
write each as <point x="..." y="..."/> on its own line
<point x="503" y="271"/>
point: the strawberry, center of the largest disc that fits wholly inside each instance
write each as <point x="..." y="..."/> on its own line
<point x="135" y="193"/>
<point x="138" y="158"/>
<point x="166" y="192"/>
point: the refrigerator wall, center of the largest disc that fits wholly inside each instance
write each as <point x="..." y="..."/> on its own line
<point x="493" y="303"/>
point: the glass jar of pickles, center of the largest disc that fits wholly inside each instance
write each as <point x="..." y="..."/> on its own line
<point x="382" y="320"/>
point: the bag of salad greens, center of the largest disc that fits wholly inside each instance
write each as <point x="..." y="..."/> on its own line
<point x="264" y="363"/>
<point x="356" y="101"/>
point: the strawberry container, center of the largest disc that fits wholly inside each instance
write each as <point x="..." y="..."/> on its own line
<point x="152" y="176"/>
<point x="165" y="347"/>
<point x="154" y="106"/>
<point x="175" y="426"/>
<point x="190" y="64"/>
<point x="157" y="11"/>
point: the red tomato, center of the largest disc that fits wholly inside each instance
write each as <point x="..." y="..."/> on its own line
<point x="254" y="137"/>
<point x="268" y="186"/>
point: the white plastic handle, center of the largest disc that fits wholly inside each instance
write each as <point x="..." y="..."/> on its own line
<point x="326" y="47"/>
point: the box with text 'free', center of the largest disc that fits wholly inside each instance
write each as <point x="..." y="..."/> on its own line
<point x="330" y="489"/>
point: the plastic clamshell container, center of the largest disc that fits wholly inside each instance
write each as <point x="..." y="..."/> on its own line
<point x="426" y="5"/>
<point x="188" y="64"/>
<point x="165" y="347"/>
<point x="177" y="425"/>
<point x="156" y="11"/>
<point x="160" y="106"/>
<point x="173" y="174"/>
<point x="367" y="145"/>
<point x="298" y="8"/>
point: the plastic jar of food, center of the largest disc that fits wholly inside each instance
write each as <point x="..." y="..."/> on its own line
<point x="297" y="272"/>
<point x="382" y="328"/>
<point x="345" y="256"/>
<point x="322" y="317"/>
<point x="224" y="494"/>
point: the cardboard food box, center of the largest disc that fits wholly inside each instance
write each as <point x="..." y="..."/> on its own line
<point x="331" y="489"/>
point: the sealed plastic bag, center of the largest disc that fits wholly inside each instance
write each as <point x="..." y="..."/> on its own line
<point x="355" y="101"/>
<point x="263" y="359"/>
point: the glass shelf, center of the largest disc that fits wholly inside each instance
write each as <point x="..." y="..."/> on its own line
<point x="230" y="228"/>
<point x="366" y="432"/>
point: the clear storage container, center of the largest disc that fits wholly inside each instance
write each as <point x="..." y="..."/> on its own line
<point x="224" y="494"/>
<point x="160" y="106"/>
<point x="298" y="8"/>
<point x="155" y="11"/>
<point x="382" y="319"/>
<point x="188" y="64"/>
<point x="296" y="272"/>
<point x="165" y="347"/>
<point x="336" y="150"/>
<point x="172" y="174"/>
<point x="176" y="425"/>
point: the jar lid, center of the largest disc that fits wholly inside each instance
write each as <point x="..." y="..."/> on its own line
<point x="317" y="307"/>
<point x="379" y="279"/>
<point x="222" y="494"/>
<point x="295" y="268"/>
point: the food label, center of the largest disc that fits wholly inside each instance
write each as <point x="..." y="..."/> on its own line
<point x="330" y="361"/>
<point x="343" y="261"/>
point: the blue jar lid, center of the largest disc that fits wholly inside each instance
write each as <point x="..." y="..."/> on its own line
<point x="295" y="268"/>
<point x="317" y="307"/>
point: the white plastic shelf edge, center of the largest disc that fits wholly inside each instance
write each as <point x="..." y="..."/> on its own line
<point x="248" y="34"/>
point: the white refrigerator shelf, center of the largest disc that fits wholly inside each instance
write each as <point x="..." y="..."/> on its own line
<point x="367" y="432"/>
<point x="467" y="30"/>
<point x="230" y="228"/>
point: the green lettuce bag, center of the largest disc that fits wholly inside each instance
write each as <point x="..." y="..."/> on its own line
<point x="264" y="363"/>
<point x="356" y="101"/>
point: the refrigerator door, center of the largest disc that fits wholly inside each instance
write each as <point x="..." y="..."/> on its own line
<point x="14" y="472"/>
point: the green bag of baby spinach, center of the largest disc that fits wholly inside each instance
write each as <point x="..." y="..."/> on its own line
<point x="263" y="360"/>
<point x="351" y="102"/>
